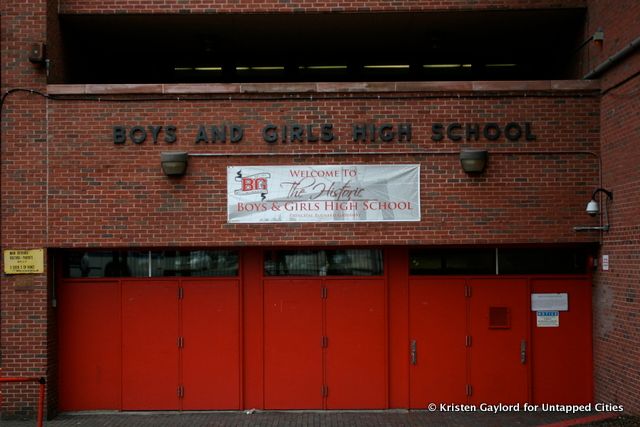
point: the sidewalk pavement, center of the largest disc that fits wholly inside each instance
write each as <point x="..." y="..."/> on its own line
<point x="390" y="418"/>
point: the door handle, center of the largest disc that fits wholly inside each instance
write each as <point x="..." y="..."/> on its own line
<point x="414" y="352"/>
<point x="523" y="351"/>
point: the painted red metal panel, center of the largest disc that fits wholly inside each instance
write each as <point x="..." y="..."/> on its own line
<point x="287" y="318"/>
<point x="252" y="324"/>
<point x="89" y="345"/>
<point x="211" y="353"/>
<point x="292" y="344"/>
<point x="149" y="345"/>
<point x="397" y="272"/>
<point x="496" y="372"/>
<point x="438" y="326"/>
<point x="562" y="356"/>
<point x="356" y="354"/>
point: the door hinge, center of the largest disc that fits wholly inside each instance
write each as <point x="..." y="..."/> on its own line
<point x="325" y="342"/>
<point x="469" y="390"/>
<point x="413" y="351"/>
<point x="323" y="293"/>
<point x="180" y="342"/>
<point x="523" y="351"/>
<point x="325" y="390"/>
<point x="180" y="293"/>
<point x="467" y="341"/>
<point x="180" y="392"/>
<point x="467" y="291"/>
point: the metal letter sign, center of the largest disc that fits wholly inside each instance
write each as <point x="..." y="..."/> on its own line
<point x="325" y="193"/>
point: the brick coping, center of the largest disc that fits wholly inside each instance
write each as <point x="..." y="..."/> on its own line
<point x="323" y="87"/>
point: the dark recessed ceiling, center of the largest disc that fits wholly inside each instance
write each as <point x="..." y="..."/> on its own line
<point x="132" y="48"/>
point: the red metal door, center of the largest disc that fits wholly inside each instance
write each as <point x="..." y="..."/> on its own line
<point x="356" y="356"/>
<point x="292" y="344"/>
<point x="437" y="352"/>
<point x="211" y="346"/>
<point x="498" y="322"/>
<point x="89" y="345"/>
<point x="149" y="345"/>
<point x="562" y="355"/>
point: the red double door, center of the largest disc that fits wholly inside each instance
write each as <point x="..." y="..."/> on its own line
<point x="150" y="345"/>
<point x="469" y="341"/>
<point x="182" y="355"/>
<point x="325" y="344"/>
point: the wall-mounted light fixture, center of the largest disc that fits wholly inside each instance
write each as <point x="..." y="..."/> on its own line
<point x="174" y="163"/>
<point x="593" y="209"/>
<point x="473" y="161"/>
<point x="598" y="37"/>
<point x="38" y="53"/>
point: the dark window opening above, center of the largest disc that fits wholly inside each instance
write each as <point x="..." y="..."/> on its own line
<point x="122" y="263"/>
<point x="465" y="261"/>
<point x="487" y="45"/>
<point x="337" y="262"/>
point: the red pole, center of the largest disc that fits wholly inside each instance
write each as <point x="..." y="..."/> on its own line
<point x="41" y="402"/>
<point x="42" y="382"/>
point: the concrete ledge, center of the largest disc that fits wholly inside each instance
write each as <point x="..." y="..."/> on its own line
<point x="329" y="87"/>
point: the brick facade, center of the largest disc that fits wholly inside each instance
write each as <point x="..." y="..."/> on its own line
<point x="616" y="292"/>
<point x="24" y="344"/>
<point x="146" y="209"/>
<point x="66" y="184"/>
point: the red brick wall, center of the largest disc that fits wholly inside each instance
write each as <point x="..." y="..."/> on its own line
<point x="23" y="23"/>
<point x="116" y="195"/>
<point x="620" y="25"/>
<point x="23" y="300"/>
<point x="617" y="291"/>
<point x="65" y="184"/>
<point x="216" y="6"/>
<point x="106" y="195"/>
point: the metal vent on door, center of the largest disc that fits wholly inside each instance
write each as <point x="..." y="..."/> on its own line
<point x="499" y="318"/>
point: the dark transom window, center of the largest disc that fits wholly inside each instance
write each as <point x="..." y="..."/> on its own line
<point x="338" y="262"/>
<point x="438" y="261"/>
<point x="120" y="263"/>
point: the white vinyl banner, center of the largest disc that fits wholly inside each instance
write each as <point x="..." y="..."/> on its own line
<point x="325" y="193"/>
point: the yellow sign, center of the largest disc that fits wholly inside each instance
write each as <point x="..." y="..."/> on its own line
<point x="23" y="261"/>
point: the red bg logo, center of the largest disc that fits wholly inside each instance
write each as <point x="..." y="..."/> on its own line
<point x="253" y="184"/>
